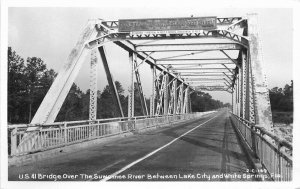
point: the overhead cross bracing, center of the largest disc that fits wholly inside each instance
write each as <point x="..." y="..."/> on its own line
<point x="174" y="54"/>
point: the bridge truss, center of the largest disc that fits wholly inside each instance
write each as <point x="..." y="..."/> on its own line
<point x="234" y="65"/>
<point x="227" y="57"/>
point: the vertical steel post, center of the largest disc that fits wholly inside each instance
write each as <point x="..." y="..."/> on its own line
<point x="93" y="86"/>
<point x="175" y="97"/>
<point x="251" y="93"/>
<point x="242" y="87"/>
<point x="246" y="99"/>
<point x="161" y="96"/>
<point x="152" y="100"/>
<point x="131" y="89"/>
<point x="180" y="99"/>
<point x="262" y="100"/>
<point x="185" y="101"/>
<point x="187" y="96"/>
<point x="240" y="92"/>
<point x="166" y="94"/>
<point x="236" y="96"/>
<point x="232" y="94"/>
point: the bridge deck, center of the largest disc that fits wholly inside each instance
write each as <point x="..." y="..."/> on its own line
<point x="205" y="147"/>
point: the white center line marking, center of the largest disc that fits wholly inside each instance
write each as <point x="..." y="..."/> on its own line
<point x="151" y="153"/>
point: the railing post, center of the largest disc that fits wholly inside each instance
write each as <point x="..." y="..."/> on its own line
<point x="279" y="162"/>
<point x="134" y="124"/>
<point x="13" y="141"/>
<point x="65" y="133"/>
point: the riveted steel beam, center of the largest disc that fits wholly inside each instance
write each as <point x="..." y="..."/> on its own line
<point x="153" y="88"/>
<point x="93" y="86"/>
<point x="203" y="79"/>
<point x="187" y="47"/>
<point x="201" y="75"/>
<point x="199" y="68"/>
<point x="202" y="72"/>
<point x="166" y="94"/>
<point x="159" y="105"/>
<point x="131" y="88"/>
<point x="185" y="61"/>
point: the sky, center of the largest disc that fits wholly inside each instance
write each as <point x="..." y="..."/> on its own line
<point x="51" y="33"/>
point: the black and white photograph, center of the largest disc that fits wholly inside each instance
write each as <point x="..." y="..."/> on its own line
<point x="142" y="93"/>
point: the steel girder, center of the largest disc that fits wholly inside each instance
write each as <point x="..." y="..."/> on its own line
<point x="173" y="99"/>
<point x="93" y="86"/>
<point x="186" y="105"/>
<point x="153" y="91"/>
<point x="180" y="101"/>
<point x="162" y="89"/>
<point x="245" y="86"/>
<point x="187" y="47"/>
<point x="166" y="94"/>
<point x="131" y="90"/>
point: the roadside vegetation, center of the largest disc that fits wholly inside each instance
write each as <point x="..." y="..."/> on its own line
<point x="282" y="111"/>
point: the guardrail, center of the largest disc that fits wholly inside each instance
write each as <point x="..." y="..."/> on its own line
<point x="54" y="135"/>
<point x="274" y="153"/>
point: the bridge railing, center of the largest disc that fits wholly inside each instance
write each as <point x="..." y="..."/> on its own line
<point x="274" y="153"/>
<point x="58" y="134"/>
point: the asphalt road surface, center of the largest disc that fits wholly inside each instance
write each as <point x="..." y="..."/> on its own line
<point x="206" y="149"/>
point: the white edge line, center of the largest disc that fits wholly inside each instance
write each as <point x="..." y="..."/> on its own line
<point x="151" y="153"/>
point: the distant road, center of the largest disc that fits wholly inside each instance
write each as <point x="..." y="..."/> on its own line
<point x="206" y="149"/>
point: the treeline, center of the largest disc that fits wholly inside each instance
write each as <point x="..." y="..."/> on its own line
<point x="202" y="102"/>
<point x="282" y="99"/>
<point x="29" y="81"/>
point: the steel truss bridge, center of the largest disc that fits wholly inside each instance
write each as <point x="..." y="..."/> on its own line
<point x="222" y="54"/>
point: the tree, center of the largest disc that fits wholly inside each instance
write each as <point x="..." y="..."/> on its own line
<point x="38" y="81"/>
<point x="16" y="86"/>
<point x="107" y="107"/>
<point x="282" y="99"/>
<point x="73" y="106"/>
